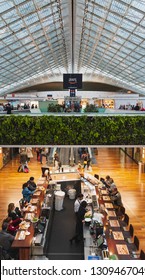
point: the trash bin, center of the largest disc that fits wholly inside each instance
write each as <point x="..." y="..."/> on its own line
<point x="59" y="197"/>
<point x="141" y="167"/>
<point x="72" y="193"/>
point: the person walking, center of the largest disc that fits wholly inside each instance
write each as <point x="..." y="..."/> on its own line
<point x="56" y="159"/>
<point x="29" y="153"/>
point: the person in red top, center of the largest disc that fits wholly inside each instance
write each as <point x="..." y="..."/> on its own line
<point x="12" y="225"/>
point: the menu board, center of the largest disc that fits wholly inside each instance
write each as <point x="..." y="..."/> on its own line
<point x="29" y="216"/>
<point x="34" y="200"/>
<point x="41" y="182"/>
<point x="24" y="225"/>
<point x="104" y="192"/>
<point x="108" y="205"/>
<point x="20" y="235"/>
<point x="118" y="235"/>
<point x="122" y="249"/>
<point x="111" y="213"/>
<point x="41" y="188"/>
<point x="37" y="193"/>
<point x="106" y="197"/>
<point x="114" y="223"/>
<point x="31" y="208"/>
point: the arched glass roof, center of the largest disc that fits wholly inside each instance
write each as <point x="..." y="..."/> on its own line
<point x="41" y="40"/>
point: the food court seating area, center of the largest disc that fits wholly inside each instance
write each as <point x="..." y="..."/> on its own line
<point x="25" y="230"/>
<point x="119" y="233"/>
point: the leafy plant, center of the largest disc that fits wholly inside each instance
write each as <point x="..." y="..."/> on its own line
<point x="91" y="108"/>
<point x="72" y="130"/>
<point x="54" y="108"/>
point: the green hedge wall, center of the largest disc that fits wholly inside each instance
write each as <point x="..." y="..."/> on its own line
<point x="72" y="130"/>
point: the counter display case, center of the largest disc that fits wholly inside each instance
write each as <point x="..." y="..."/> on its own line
<point x="43" y="228"/>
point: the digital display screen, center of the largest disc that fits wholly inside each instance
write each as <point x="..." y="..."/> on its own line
<point x="72" y="81"/>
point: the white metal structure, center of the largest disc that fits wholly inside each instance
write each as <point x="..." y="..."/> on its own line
<point x="42" y="39"/>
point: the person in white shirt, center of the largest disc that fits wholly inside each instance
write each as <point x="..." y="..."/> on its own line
<point x="98" y="217"/>
<point x="78" y="202"/>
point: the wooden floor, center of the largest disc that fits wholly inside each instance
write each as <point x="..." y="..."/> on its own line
<point x="110" y="161"/>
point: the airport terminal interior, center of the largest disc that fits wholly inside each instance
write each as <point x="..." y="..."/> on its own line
<point x="72" y="57"/>
<point x="102" y="40"/>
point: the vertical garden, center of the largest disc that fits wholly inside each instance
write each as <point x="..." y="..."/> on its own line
<point x="72" y="130"/>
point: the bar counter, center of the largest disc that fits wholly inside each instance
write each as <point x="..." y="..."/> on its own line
<point x="114" y="242"/>
<point x="26" y="243"/>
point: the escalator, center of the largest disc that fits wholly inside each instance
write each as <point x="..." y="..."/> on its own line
<point x="90" y="151"/>
<point x="64" y="155"/>
<point x="76" y="156"/>
<point x="50" y="157"/>
<point x="71" y="156"/>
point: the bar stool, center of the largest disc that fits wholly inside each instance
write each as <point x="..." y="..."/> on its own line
<point x="142" y="255"/>
<point x="139" y="256"/>
<point x="134" y="246"/>
<point x="125" y="222"/>
<point x="128" y="235"/>
<point x="120" y="212"/>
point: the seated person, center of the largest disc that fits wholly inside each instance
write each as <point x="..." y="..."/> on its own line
<point x="6" y="240"/>
<point x="107" y="181"/>
<point x="112" y="188"/>
<point x="27" y="194"/>
<point x="14" y="212"/>
<point x="116" y="198"/>
<point x="13" y="225"/>
<point x="31" y="184"/>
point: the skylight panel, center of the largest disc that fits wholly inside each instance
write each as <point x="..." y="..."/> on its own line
<point x="123" y="33"/>
<point x="135" y="39"/>
<point x="134" y="15"/>
<point x="31" y="19"/>
<point x="22" y="34"/>
<point x="114" y="18"/>
<point x="5" y="5"/>
<point x="128" y="25"/>
<point x="26" y="8"/>
<point x="10" y="16"/>
<point x="16" y="26"/>
<point x="118" y="7"/>
<point x="140" y="5"/>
